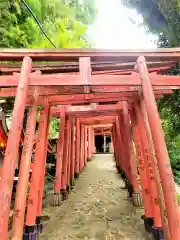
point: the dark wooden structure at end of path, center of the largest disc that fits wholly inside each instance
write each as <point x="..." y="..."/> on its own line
<point x="88" y="90"/>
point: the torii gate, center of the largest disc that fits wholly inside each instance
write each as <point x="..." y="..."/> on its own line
<point x="127" y="100"/>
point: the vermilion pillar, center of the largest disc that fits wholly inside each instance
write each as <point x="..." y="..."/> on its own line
<point x="72" y="152"/>
<point x="82" y="147"/>
<point x="43" y="171"/>
<point x="161" y="151"/>
<point x="65" y="160"/>
<point x="21" y="191"/>
<point x="59" y="152"/>
<point x="118" y="143"/>
<point x="141" y="166"/>
<point x="89" y="144"/>
<point x="150" y="168"/>
<point x="69" y="152"/>
<point x="37" y="167"/>
<point x="12" y="147"/>
<point x="77" y="167"/>
<point x="128" y="140"/>
<point x="85" y="144"/>
<point x="157" y="177"/>
<point x="125" y="158"/>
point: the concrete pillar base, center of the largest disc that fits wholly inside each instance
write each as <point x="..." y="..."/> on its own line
<point x="130" y="190"/>
<point x="72" y="182"/>
<point x="57" y="200"/>
<point x="157" y="233"/>
<point x="137" y="199"/>
<point x="76" y="175"/>
<point x="64" y="194"/>
<point x="39" y="224"/>
<point x="30" y="233"/>
<point x="148" y="223"/>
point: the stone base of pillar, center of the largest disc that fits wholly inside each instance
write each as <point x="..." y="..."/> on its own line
<point x="69" y="188"/>
<point x="72" y="182"/>
<point x="57" y="199"/>
<point x="130" y="190"/>
<point x="64" y="194"/>
<point x="137" y="199"/>
<point x="30" y="233"/>
<point x="76" y="175"/>
<point x="148" y="223"/>
<point x="157" y="233"/>
<point x="39" y="224"/>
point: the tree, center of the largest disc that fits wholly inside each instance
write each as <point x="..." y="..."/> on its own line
<point x="65" y="22"/>
<point x="162" y="17"/>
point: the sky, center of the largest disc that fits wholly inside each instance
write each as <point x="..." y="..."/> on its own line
<point x="113" y="28"/>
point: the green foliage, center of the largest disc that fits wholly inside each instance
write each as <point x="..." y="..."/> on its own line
<point x="64" y="21"/>
<point x="54" y="128"/>
<point x="163" y="17"/>
<point x="178" y="197"/>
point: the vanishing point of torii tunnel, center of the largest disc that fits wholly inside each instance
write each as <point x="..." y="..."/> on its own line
<point x="93" y="92"/>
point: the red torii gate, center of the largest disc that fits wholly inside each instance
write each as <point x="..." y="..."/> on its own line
<point x="132" y="98"/>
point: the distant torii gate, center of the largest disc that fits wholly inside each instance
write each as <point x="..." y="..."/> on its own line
<point x="121" y="97"/>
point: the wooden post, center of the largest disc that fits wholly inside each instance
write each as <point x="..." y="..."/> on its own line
<point x="72" y="152"/>
<point x="161" y="151"/>
<point x="157" y="177"/>
<point x="77" y="169"/>
<point x="38" y="165"/>
<point x="89" y="144"/>
<point x="69" y="152"/>
<point x="128" y="142"/>
<point x="59" y="157"/>
<point x="150" y="169"/>
<point x="12" y="147"/>
<point x="65" y="161"/>
<point x="23" y="177"/>
<point x="43" y="170"/>
<point x="81" y="149"/>
<point x="85" y="145"/>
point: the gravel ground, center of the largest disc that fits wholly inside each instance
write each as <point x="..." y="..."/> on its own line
<point x="97" y="208"/>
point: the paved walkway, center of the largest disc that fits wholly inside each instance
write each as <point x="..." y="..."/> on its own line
<point x="97" y="208"/>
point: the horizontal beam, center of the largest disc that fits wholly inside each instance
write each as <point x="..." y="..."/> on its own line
<point x="54" y="90"/>
<point x="160" y="54"/>
<point x="97" y="68"/>
<point x="96" y="80"/>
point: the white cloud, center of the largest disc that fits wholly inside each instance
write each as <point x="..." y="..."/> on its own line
<point x="113" y="28"/>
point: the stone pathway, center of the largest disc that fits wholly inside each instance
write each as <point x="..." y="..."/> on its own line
<point x="98" y="208"/>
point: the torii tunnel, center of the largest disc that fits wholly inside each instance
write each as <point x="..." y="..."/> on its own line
<point x="93" y="92"/>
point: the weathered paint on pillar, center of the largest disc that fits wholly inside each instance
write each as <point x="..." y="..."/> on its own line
<point x="37" y="166"/>
<point x="161" y="151"/>
<point x="59" y="154"/>
<point x="77" y="169"/>
<point x="23" y="177"/>
<point x="12" y="147"/>
<point x="141" y="165"/>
